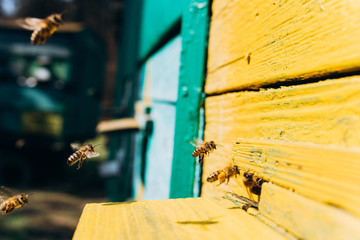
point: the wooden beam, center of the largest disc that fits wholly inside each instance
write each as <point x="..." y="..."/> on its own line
<point x="117" y="125"/>
<point x="190" y="218"/>
<point x="305" y="218"/>
<point x="324" y="113"/>
<point x="256" y="43"/>
<point x="328" y="174"/>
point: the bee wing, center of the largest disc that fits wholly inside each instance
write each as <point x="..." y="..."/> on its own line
<point x="5" y="193"/>
<point x="76" y="146"/>
<point x="197" y="142"/>
<point x="92" y="154"/>
<point x="30" y="23"/>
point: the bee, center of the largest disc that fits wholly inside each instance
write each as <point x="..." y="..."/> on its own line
<point x="82" y="153"/>
<point x="42" y="29"/>
<point x="252" y="184"/>
<point x="9" y="204"/>
<point x="203" y="148"/>
<point x="214" y="176"/>
<point x="223" y="175"/>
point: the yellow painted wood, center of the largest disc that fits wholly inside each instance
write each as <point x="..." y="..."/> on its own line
<point x="117" y="125"/>
<point x="191" y="218"/>
<point x="254" y="43"/>
<point x="323" y="113"/>
<point x="328" y="174"/>
<point x="305" y="218"/>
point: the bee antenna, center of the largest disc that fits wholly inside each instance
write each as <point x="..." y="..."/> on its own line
<point x="97" y="145"/>
<point x="30" y="193"/>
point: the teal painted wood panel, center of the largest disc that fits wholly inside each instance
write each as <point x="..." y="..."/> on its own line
<point x="160" y="152"/>
<point x="158" y="17"/>
<point x="194" y="33"/>
<point x="163" y="71"/>
<point x="159" y="87"/>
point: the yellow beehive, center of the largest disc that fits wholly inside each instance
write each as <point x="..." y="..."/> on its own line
<point x="283" y="97"/>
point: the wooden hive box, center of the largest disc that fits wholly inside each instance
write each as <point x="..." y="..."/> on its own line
<point x="282" y="96"/>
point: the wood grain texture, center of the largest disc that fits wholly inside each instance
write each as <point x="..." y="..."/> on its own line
<point x="283" y="39"/>
<point x="328" y="174"/>
<point x="191" y="218"/>
<point x="307" y="219"/>
<point x="323" y="113"/>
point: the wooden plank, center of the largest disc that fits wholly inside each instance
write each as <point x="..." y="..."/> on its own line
<point x="117" y="125"/>
<point x="190" y="218"/>
<point x="323" y="113"/>
<point x="328" y="174"/>
<point x="284" y="39"/>
<point x="306" y="218"/>
<point x="194" y="42"/>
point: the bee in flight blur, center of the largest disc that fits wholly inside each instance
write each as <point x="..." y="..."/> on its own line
<point x="203" y="148"/>
<point x="252" y="184"/>
<point x="9" y="201"/>
<point x="223" y="175"/>
<point x="42" y="29"/>
<point x="82" y="153"/>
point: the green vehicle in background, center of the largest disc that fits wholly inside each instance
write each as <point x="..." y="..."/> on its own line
<point x="49" y="97"/>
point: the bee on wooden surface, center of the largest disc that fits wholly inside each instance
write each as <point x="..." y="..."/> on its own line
<point x="42" y="29"/>
<point x="223" y="175"/>
<point x="252" y="184"/>
<point x="203" y="148"/>
<point x="9" y="201"/>
<point x="82" y="153"/>
<point x="214" y="176"/>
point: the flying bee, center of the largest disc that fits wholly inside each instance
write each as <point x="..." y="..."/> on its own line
<point x="203" y="148"/>
<point x="10" y="201"/>
<point x="223" y="175"/>
<point x="42" y="29"/>
<point x="252" y="184"/>
<point x="82" y="153"/>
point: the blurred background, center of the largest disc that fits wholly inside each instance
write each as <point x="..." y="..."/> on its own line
<point x="50" y="96"/>
<point x="109" y="76"/>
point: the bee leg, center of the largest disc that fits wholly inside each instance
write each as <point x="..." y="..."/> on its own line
<point x="228" y="179"/>
<point x="80" y="162"/>
<point x="201" y="158"/>
<point x="250" y="194"/>
<point x="221" y="178"/>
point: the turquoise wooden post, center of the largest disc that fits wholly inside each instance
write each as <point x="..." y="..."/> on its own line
<point x="194" y="32"/>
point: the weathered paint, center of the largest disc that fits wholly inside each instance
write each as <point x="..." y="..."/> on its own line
<point x="194" y="39"/>
<point x="255" y="43"/>
<point x="323" y="113"/>
<point x="305" y="218"/>
<point x="190" y="218"/>
<point x="163" y="70"/>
